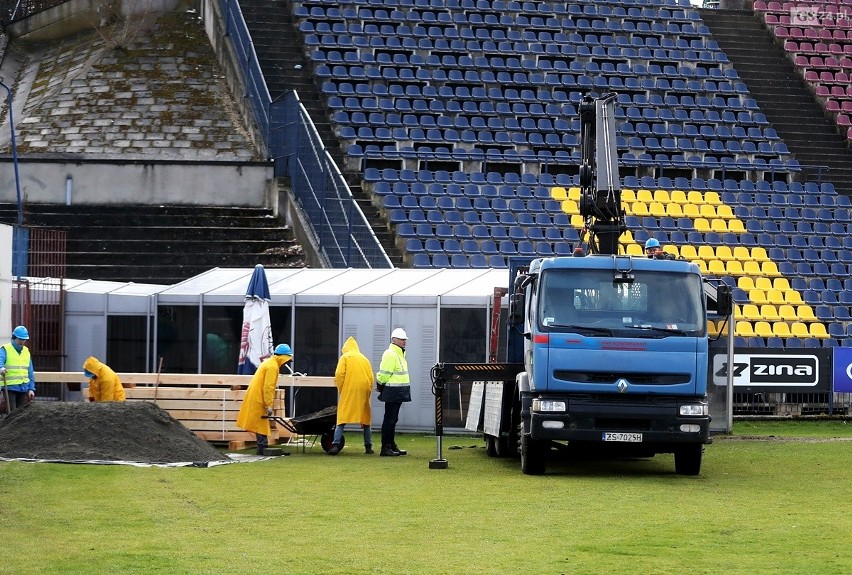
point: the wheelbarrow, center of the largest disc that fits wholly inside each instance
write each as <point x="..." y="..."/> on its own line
<point x="319" y="424"/>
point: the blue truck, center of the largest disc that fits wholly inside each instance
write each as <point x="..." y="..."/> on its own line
<point x="605" y="353"/>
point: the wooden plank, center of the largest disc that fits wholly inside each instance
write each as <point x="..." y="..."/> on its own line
<point x="186" y="379"/>
<point x="203" y="405"/>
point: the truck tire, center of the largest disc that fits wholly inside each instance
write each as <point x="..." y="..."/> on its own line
<point x="688" y="459"/>
<point x="533" y="455"/>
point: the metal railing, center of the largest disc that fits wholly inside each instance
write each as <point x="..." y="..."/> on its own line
<point x="339" y="227"/>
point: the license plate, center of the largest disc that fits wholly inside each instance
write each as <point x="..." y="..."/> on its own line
<point x="622" y="437"/>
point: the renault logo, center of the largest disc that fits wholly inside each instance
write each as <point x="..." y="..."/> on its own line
<point x="622" y="385"/>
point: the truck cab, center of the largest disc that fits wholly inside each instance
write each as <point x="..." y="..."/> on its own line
<point x="614" y="350"/>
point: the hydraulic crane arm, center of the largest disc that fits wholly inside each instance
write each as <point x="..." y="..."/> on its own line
<point x="600" y="189"/>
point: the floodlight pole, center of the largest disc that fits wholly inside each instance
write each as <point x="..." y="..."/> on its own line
<point x="14" y="152"/>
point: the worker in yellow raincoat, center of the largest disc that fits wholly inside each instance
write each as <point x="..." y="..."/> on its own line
<point x="354" y="380"/>
<point x="104" y="383"/>
<point x="260" y="394"/>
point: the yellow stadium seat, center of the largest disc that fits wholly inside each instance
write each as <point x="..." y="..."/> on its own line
<point x="763" y="329"/>
<point x="661" y="196"/>
<point x="671" y="249"/>
<point x="695" y="197"/>
<point x="691" y="211"/>
<point x="706" y="252"/>
<point x="752" y="268"/>
<point x="635" y="250"/>
<point x="787" y="312"/>
<point x="570" y="207"/>
<point x="688" y="252"/>
<point x="751" y="312"/>
<point x="763" y="283"/>
<point x="678" y="196"/>
<point x="775" y="296"/>
<point x="734" y="268"/>
<point x="782" y="284"/>
<point x="770" y="269"/>
<point x="558" y="193"/>
<point x="722" y="325"/>
<point x="769" y="312"/>
<point x="724" y="211"/>
<point x="757" y="296"/>
<point x="707" y="211"/>
<point x="724" y="253"/>
<point x="577" y="221"/>
<point x="746" y="283"/>
<point x="644" y="196"/>
<point x="817" y="329"/>
<point x="736" y="226"/>
<point x="702" y="225"/>
<point x="702" y="266"/>
<point x="742" y="253"/>
<point x="718" y="225"/>
<point x="744" y="328"/>
<point x="674" y="210"/>
<point x="805" y="313"/>
<point x="574" y="193"/>
<point x="627" y="238"/>
<point x="628" y="196"/>
<point x="793" y="297"/>
<point x="781" y="329"/>
<point x="639" y="208"/>
<point x="711" y="328"/>
<point x="657" y="209"/>
<point x="758" y="254"/>
<point x="712" y="197"/>
<point x="716" y="268"/>
<point x="799" y="329"/>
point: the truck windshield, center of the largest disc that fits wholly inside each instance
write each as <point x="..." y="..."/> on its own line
<point x="655" y="304"/>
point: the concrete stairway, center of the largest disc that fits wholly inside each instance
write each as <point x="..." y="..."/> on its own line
<point x="286" y="66"/>
<point x="782" y="95"/>
<point x="161" y="244"/>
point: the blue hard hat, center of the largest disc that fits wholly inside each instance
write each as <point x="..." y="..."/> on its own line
<point x="20" y="332"/>
<point x="283" y="349"/>
<point x="652" y="243"/>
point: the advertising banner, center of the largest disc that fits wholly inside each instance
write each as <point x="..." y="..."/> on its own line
<point x="776" y="371"/>
<point x="842" y="370"/>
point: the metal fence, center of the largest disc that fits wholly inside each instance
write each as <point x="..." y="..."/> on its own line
<point x="792" y="404"/>
<point x="339" y="227"/>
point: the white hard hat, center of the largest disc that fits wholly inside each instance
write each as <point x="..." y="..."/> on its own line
<point x="399" y="333"/>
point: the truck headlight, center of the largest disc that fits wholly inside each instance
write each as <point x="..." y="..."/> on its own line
<point x="548" y="405"/>
<point x="694" y="409"/>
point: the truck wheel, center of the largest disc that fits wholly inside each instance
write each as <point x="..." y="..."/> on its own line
<point x="688" y="459"/>
<point x="533" y="455"/>
<point x="491" y="446"/>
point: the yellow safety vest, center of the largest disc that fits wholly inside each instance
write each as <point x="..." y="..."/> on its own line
<point x="394" y="369"/>
<point x="17" y="366"/>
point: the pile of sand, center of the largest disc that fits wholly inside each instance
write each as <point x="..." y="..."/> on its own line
<point x="80" y="431"/>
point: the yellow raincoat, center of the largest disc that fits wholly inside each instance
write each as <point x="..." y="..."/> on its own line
<point x="260" y="394"/>
<point x="354" y="380"/>
<point x="106" y="386"/>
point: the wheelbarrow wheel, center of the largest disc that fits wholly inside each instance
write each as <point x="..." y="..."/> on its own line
<point x="327" y="438"/>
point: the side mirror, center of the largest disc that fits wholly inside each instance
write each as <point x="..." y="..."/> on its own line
<point x="516" y="308"/>
<point x="724" y="300"/>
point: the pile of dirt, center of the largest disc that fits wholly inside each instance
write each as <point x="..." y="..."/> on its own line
<point x="79" y="431"/>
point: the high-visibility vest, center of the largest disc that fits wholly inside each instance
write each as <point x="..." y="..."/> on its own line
<point x="17" y="365"/>
<point x="393" y="367"/>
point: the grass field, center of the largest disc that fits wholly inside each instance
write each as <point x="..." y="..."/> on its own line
<point x="760" y="505"/>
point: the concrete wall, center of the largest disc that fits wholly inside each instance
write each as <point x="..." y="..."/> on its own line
<point x="215" y="184"/>
<point x="78" y="15"/>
